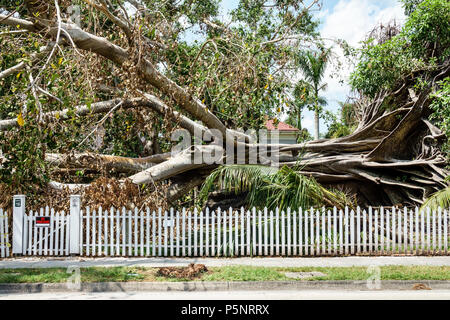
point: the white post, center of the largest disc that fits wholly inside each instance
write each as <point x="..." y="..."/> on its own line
<point x="75" y="217"/>
<point x="18" y="216"/>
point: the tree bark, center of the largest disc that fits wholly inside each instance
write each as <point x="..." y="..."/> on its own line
<point x="316" y="123"/>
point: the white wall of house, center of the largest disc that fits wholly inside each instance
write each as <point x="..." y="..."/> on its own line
<point x="285" y="137"/>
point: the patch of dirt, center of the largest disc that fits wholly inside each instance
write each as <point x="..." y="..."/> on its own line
<point x="148" y="274"/>
<point x="190" y="272"/>
<point x="420" y="286"/>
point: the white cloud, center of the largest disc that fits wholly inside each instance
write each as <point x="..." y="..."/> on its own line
<point x="351" y="20"/>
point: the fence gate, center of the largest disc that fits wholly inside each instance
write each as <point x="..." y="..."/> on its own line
<point x="46" y="233"/>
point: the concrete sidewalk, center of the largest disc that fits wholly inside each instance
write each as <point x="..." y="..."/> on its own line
<point x="218" y="262"/>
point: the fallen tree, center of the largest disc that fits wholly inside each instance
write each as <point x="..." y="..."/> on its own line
<point x="393" y="157"/>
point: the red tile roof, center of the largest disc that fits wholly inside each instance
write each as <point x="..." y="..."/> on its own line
<point x="281" y="126"/>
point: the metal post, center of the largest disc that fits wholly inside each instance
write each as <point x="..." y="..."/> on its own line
<point x="75" y="217"/>
<point x="18" y="216"/>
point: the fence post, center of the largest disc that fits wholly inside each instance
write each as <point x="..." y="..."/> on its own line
<point x="18" y="216"/>
<point x="75" y="204"/>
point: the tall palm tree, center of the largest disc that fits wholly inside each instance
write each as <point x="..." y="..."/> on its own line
<point x="303" y="96"/>
<point x="313" y="65"/>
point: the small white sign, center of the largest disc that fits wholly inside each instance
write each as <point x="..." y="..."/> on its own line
<point x="75" y="202"/>
<point x="168" y="223"/>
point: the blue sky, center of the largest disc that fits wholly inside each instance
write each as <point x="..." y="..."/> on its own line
<point x="350" y="20"/>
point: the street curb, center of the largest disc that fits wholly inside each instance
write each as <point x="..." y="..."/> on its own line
<point x="6" y="288"/>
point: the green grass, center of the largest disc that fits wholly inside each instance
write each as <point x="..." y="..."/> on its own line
<point x="33" y="275"/>
<point x="54" y="275"/>
<point x="386" y="273"/>
<point x="230" y="273"/>
<point x="243" y="273"/>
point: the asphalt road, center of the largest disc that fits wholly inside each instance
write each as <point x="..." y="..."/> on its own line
<point x="241" y="295"/>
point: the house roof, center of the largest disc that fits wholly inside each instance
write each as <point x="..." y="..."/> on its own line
<point x="281" y="126"/>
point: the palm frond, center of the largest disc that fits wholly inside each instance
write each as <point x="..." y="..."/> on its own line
<point x="273" y="188"/>
<point x="313" y="65"/>
<point x="305" y="62"/>
<point x="322" y="101"/>
<point x="438" y="199"/>
<point x="235" y="178"/>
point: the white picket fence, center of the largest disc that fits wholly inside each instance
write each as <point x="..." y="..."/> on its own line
<point x="4" y="235"/>
<point x="384" y="231"/>
<point x="312" y="232"/>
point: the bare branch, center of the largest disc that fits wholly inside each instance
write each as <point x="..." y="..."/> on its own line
<point x="18" y="23"/>
<point x="119" y="22"/>
<point x="12" y="70"/>
<point x="13" y="32"/>
<point x="62" y="186"/>
<point x="101" y="122"/>
<point x="99" y="107"/>
<point x="58" y="34"/>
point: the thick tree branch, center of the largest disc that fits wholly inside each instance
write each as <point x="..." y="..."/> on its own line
<point x="18" y="23"/>
<point x="100" y="162"/>
<point x="186" y="182"/>
<point x="148" y="101"/>
<point x="187" y="160"/>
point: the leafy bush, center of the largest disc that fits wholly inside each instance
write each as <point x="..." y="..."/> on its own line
<point x="441" y="110"/>
<point x="343" y="125"/>
<point x="423" y="43"/>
